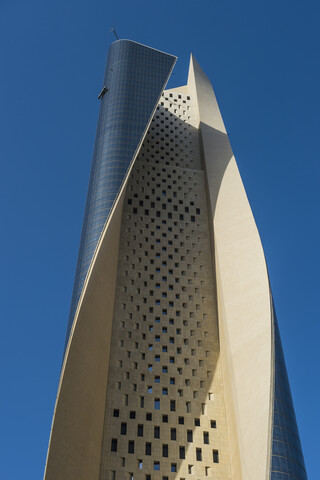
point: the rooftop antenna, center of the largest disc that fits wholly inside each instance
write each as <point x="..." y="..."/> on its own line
<point x="114" y="31"/>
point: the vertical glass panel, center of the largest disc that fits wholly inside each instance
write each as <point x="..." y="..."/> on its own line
<point x="287" y="460"/>
<point x="135" y="76"/>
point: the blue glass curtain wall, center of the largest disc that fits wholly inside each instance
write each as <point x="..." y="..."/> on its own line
<point x="135" y="77"/>
<point x="287" y="461"/>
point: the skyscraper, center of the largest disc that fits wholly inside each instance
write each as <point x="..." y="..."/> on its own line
<point x="173" y="365"/>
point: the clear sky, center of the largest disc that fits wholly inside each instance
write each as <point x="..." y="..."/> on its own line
<point x="263" y="60"/>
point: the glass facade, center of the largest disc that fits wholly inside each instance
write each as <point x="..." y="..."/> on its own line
<point x="287" y="460"/>
<point x="135" y="77"/>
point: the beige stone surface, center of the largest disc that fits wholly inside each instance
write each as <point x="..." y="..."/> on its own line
<point x="243" y="293"/>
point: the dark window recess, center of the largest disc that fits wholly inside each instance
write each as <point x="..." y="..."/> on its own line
<point x="140" y="431"/>
<point x="215" y="454"/>
<point x="206" y="438"/>
<point x="197" y="422"/>
<point x="156" y="432"/>
<point x="199" y="454"/>
<point x="116" y="413"/>
<point x="149" y="417"/>
<point x="173" y="434"/>
<point x="181" y="420"/>
<point x="182" y="452"/>
<point x="189" y="436"/>
<point x="172" y="405"/>
<point x="123" y="430"/>
<point x="165" y="450"/>
<point x="165" y="418"/>
<point x="148" y="448"/>
<point x="131" y="446"/>
<point x="213" y="424"/>
<point x="132" y="415"/>
<point x="114" y="445"/>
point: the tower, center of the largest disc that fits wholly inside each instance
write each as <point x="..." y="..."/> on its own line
<point x="173" y="366"/>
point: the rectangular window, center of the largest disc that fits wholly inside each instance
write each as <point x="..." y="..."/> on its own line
<point x="182" y="453"/>
<point x="140" y="430"/>
<point x="173" y="434"/>
<point x="132" y="415"/>
<point x="156" y="466"/>
<point x="165" y="450"/>
<point x="189" y="436"/>
<point x="173" y="467"/>
<point x="123" y="429"/>
<point x="213" y="423"/>
<point x="114" y="445"/>
<point x="215" y="455"/>
<point x="157" y="403"/>
<point x="206" y="438"/>
<point x="156" y="432"/>
<point x="181" y="420"/>
<point x="149" y="417"/>
<point x="131" y="446"/>
<point x="148" y="448"/>
<point x="199" y="454"/>
<point x="172" y="405"/>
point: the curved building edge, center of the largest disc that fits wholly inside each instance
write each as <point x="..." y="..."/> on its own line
<point x="125" y="112"/>
<point x="77" y="427"/>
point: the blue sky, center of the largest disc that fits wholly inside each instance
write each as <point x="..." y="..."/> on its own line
<point x="263" y="60"/>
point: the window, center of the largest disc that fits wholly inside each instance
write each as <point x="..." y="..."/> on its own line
<point x="148" y="448"/>
<point x="123" y="430"/>
<point x="172" y="405"/>
<point x="156" y="432"/>
<point x="157" y="403"/>
<point x="215" y="454"/>
<point x="114" y="445"/>
<point x="189" y="436"/>
<point x="132" y="415"/>
<point x="182" y="453"/>
<point x="157" y="379"/>
<point x="213" y="424"/>
<point x="149" y="417"/>
<point x="173" y="467"/>
<point x="156" y="466"/>
<point x="181" y="420"/>
<point x="140" y="464"/>
<point x="199" y="454"/>
<point x="197" y="422"/>
<point x="206" y="438"/>
<point x="116" y="413"/>
<point x="165" y="450"/>
<point x="173" y="434"/>
<point x="131" y="446"/>
<point x="165" y="418"/>
<point x="140" y="430"/>
<point x="172" y="381"/>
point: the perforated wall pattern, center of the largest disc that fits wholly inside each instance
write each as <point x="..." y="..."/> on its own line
<point x="165" y="416"/>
